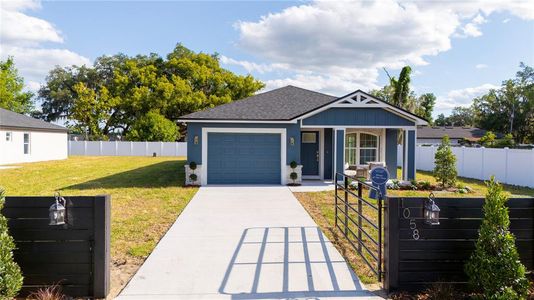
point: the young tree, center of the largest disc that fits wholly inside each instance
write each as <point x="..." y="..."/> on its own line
<point x="494" y="268"/>
<point x="153" y="127"/>
<point x="445" y="164"/>
<point x="12" y="96"/>
<point x="10" y="275"/>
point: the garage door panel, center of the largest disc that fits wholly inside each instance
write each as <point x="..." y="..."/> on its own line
<point x="242" y="158"/>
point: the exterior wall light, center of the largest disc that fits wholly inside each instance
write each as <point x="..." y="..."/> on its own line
<point x="58" y="211"/>
<point x="292" y="141"/>
<point x="195" y="140"/>
<point x="431" y="211"/>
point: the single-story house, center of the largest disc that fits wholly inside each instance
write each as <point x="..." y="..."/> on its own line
<point x="427" y="135"/>
<point x="254" y="140"/>
<point x="26" y="139"/>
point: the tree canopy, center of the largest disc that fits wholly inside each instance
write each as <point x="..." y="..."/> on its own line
<point x="117" y="91"/>
<point x="398" y="93"/>
<point x="12" y="96"/>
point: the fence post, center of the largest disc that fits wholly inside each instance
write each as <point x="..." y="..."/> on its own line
<point x="146" y="148"/>
<point x="175" y="148"/>
<point x="84" y="147"/>
<point x="160" y="148"/>
<point x="335" y="200"/>
<point x="101" y="252"/>
<point x="482" y="164"/>
<point x="506" y="164"/>
<point x="391" y="243"/>
<point x="360" y="212"/>
<point x="462" y="169"/>
<point x="100" y="148"/>
<point x="131" y="148"/>
<point x="116" y="148"/>
<point x="346" y="184"/>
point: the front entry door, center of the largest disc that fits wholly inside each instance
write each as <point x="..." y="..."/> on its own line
<point x="309" y="153"/>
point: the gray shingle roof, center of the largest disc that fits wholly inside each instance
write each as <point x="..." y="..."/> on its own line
<point x="453" y="132"/>
<point x="9" y="119"/>
<point x="281" y="104"/>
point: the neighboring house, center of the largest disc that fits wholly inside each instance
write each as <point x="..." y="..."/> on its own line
<point x="25" y="139"/>
<point x="433" y="135"/>
<point x="254" y="140"/>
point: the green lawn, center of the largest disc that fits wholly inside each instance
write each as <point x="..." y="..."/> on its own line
<point x="147" y="195"/>
<point x="320" y="205"/>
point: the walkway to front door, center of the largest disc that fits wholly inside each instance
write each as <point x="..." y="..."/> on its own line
<point x="245" y="243"/>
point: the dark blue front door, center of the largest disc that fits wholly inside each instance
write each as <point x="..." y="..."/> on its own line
<point x="243" y="158"/>
<point x="309" y="153"/>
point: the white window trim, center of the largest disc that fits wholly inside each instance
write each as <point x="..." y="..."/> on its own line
<point x="378" y="148"/>
<point x="29" y="143"/>
<point x="283" y="148"/>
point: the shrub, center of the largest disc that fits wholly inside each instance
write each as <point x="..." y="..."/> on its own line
<point x="193" y="177"/>
<point x="48" y="293"/>
<point x="488" y="139"/>
<point x="293" y="164"/>
<point x="10" y="275"/>
<point x="153" y="127"/>
<point x="494" y="269"/>
<point x="193" y="165"/>
<point x="445" y="164"/>
<point x="293" y="176"/>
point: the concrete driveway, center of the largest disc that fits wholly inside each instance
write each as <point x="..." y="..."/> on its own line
<point x="245" y="243"/>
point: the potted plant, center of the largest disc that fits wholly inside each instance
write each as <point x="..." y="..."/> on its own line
<point x="293" y="175"/>
<point x="193" y="177"/>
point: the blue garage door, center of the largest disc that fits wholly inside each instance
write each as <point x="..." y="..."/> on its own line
<point x="243" y="158"/>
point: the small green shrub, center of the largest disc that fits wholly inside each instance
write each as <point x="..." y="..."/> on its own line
<point x="193" y="165"/>
<point x="293" y="176"/>
<point x="293" y="164"/>
<point x="10" y="274"/>
<point x="445" y="164"/>
<point x="193" y="177"/>
<point x="424" y="185"/>
<point x="494" y="269"/>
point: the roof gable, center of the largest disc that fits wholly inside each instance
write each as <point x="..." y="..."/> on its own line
<point x="13" y="120"/>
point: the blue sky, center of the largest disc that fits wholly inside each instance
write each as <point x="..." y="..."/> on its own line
<point x="457" y="50"/>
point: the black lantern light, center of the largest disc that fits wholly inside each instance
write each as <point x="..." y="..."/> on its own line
<point x="431" y="211"/>
<point x="58" y="211"/>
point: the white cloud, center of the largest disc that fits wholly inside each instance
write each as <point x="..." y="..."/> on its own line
<point x="28" y="39"/>
<point x="462" y="97"/>
<point x="481" y="66"/>
<point x="506" y="20"/>
<point x="320" y="38"/>
<point x="252" y="66"/>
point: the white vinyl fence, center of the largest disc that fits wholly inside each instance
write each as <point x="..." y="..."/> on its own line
<point x="512" y="166"/>
<point x="117" y="148"/>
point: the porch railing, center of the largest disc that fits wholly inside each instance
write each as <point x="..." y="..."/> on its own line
<point x="364" y="233"/>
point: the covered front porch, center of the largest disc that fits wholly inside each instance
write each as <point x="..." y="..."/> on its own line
<point x="354" y="150"/>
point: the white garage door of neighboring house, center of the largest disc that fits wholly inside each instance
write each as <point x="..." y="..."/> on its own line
<point x="244" y="158"/>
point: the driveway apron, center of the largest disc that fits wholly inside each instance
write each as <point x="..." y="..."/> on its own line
<point x="245" y="242"/>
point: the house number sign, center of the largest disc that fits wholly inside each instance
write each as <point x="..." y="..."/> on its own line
<point x="413" y="225"/>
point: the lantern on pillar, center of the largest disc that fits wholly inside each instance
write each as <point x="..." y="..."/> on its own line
<point x="431" y="211"/>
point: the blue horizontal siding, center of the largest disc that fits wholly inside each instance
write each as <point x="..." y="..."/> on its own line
<point x="194" y="152"/>
<point x="357" y="117"/>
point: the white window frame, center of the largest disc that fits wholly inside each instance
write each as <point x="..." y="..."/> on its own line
<point x="359" y="147"/>
<point x="9" y="136"/>
<point x="28" y="143"/>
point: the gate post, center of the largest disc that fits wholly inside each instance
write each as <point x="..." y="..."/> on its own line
<point x="391" y="243"/>
<point x="346" y="184"/>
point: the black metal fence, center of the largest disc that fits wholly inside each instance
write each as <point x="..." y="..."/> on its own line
<point x="364" y="233"/>
<point x="417" y="255"/>
<point x="75" y="256"/>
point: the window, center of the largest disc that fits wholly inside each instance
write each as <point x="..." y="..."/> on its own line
<point x="351" y="148"/>
<point x="26" y="143"/>
<point x="9" y="136"/>
<point x="368" y="148"/>
<point x="309" y="138"/>
<point x="361" y="148"/>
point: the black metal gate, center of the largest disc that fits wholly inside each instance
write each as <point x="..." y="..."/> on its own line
<point x="364" y="233"/>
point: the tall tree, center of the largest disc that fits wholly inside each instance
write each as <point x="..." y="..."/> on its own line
<point x="398" y="92"/>
<point x="425" y="106"/>
<point x="117" y="90"/>
<point x="12" y="94"/>
<point x="509" y="109"/>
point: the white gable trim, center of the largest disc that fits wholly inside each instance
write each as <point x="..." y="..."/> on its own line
<point x="294" y="121"/>
<point x="359" y="99"/>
